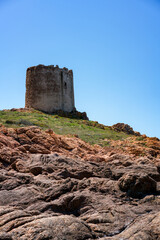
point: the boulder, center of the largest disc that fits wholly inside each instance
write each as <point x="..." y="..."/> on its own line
<point x="56" y="227"/>
<point x="136" y="185"/>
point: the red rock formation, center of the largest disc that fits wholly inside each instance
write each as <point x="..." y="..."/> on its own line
<point x="57" y="187"/>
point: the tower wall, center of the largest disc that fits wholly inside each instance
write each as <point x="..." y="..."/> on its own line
<point x="49" y="89"/>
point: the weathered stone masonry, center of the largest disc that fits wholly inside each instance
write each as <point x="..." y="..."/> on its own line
<point x="49" y="89"/>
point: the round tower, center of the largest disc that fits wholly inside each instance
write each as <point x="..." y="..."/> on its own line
<point x="49" y="89"/>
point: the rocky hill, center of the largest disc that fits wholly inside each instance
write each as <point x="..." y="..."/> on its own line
<point x="94" y="182"/>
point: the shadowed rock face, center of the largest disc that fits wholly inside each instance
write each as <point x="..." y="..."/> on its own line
<point x="61" y="195"/>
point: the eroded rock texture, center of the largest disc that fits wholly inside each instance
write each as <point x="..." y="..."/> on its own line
<point x="53" y="187"/>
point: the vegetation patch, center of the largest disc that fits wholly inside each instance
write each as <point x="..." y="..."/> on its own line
<point x="89" y="131"/>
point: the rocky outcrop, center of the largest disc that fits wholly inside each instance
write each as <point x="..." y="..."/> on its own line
<point x="54" y="187"/>
<point x="122" y="127"/>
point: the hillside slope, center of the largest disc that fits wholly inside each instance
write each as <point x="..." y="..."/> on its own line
<point x="91" y="132"/>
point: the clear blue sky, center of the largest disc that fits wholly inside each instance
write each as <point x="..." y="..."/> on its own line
<point x="113" y="47"/>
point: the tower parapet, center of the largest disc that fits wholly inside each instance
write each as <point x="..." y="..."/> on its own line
<point x="49" y="88"/>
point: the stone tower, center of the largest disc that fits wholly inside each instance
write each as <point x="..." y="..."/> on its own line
<point x="49" y="89"/>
